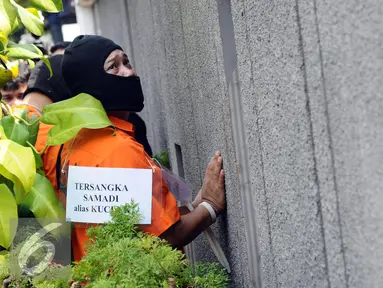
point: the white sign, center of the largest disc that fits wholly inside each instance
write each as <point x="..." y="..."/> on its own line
<point x="93" y="191"/>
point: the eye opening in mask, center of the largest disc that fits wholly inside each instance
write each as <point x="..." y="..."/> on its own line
<point x="117" y="63"/>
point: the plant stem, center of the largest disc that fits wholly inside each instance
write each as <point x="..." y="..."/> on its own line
<point x="25" y="122"/>
<point x="6" y="107"/>
<point x="45" y="148"/>
<point x="34" y="149"/>
<point x="9" y="111"/>
<point x="158" y="262"/>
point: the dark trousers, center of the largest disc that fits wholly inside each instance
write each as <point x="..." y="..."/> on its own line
<point x="54" y="22"/>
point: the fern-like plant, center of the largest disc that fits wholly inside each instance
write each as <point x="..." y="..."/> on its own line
<point x="119" y="255"/>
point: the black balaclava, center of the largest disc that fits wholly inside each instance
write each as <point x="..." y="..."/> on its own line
<point x="40" y="81"/>
<point x="83" y="72"/>
<point x="140" y="132"/>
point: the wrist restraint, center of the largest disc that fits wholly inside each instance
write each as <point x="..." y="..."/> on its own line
<point x="210" y="209"/>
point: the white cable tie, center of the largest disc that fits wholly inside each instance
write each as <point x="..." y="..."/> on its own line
<point x="210" y="209"/>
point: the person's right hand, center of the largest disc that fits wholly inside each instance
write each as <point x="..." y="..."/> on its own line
<point x="213" y="190"/>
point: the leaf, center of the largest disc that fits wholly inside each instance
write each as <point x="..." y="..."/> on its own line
<point x="41" y="172"/>
<point x="27" y="51"/>
<point x="31" y="64"/>
<point x="48" y="5"/>
<point x="72" y="115"/>
<point x="3" y="41"/>
<point x="14" y="130"/>
<point x="43" y="202"/>
<point x="34" y="129"/>
<point x="8" y="210"/>
<point x="34" y="12"/>
<point x="38" y="159"/>
<point x="33" y="23"/>
<point x="17" y="164"/>
<point x="14" y="67"/>
<point x="2" y="133"/>
<point x="3" y="61"/>
<point x="23" y="51"/>
<point x="5" y="76"/>
<point x="3" y="255"/>
<point x="16" y="25"/>
<point x="8" y="17"/>
<point x="31" y="119"/>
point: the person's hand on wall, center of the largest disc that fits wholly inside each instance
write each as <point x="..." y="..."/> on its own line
<point x="213" y="187"/>
<point x="213" y="194"/>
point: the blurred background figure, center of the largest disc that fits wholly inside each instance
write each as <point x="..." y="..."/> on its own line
<point x="54" y="25"/>
<point x="41" y="42"/>
<point x="55" y="21"/>
<point x="59" y="28"/>
<point x="12" y="92"/>
<point x="59" y="48"/>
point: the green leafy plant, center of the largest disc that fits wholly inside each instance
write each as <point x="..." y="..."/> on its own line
<point x="84" y="111"/>
<point x="119" y="255"/>
<point x="18" y="132"/>
<point x="163" y="159"/>
<point x="20" y="182"/>
<point x="23" y="190"/>
<point x="14" y="15"/>
<point x="131" y="258"/>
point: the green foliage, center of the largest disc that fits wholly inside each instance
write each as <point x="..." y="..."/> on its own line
<point x="13" y="15"/>
<point x="8" y="210"/>
<point x="163" y="158"/>
<point x="4" y="265"/>
<point x="47" y="5"/>
<point x="130" y="258"/>
<point x="8" y="19"/>
<point x="5" y="74"/>
<point x="43" y="202"/>
<point x="31" y="126"/>
<point x="207" y="275"/>
<point x="119" y="255"/>
<point x="13" y="131"/>
<point x="20" y="51"/>
<point x="72" y="115"/>
<point x="135" y="259"/>
<point x="17" y="164"/>
<point x="26" y="51"/>
<point x="20" y="164"/>
<point x="9" y="268"/>
<point x="29" y="19"/>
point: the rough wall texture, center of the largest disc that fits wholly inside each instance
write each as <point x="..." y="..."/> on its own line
<point x="299" y="127"/>
<point x="351" y="39"/>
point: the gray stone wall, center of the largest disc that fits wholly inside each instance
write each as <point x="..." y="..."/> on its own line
<point x="290" y="91"/>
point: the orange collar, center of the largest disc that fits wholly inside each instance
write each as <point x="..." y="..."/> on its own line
<point x="122" y="124"/>
<point x="28" y="107"/>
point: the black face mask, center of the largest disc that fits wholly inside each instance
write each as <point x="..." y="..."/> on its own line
<point x="83" y="71"/>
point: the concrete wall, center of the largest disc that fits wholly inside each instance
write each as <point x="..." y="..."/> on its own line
<point x="290" y="92"/>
